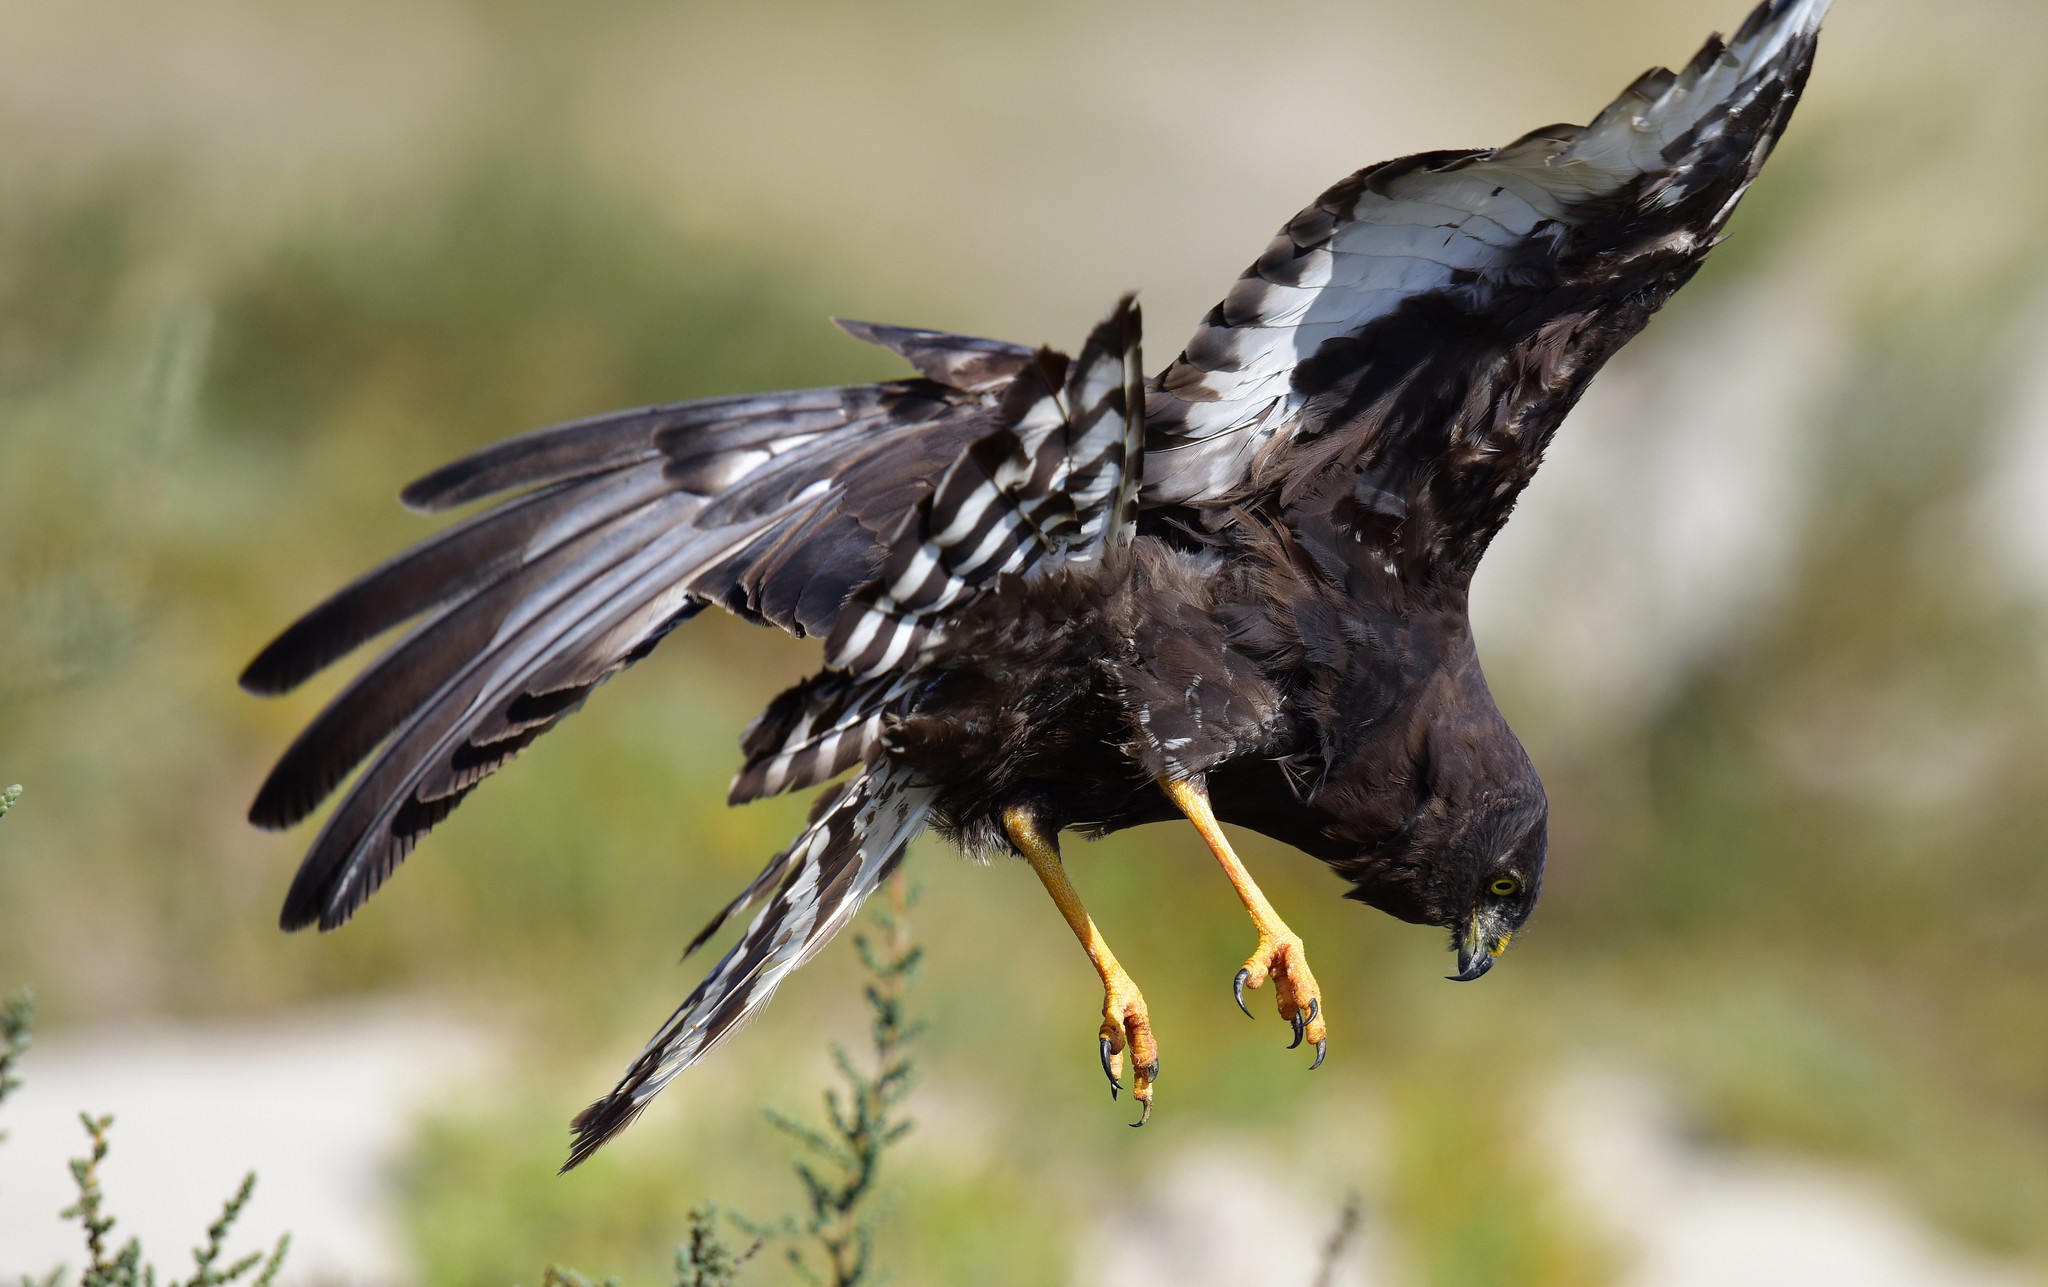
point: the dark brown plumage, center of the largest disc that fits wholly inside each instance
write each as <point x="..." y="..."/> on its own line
<point x="1057" y="595"/>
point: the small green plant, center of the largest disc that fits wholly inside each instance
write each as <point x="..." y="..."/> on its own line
<point x="832" y="1244"/>
<point x="861" y="1120"/>
<point x="16" y="1014"/>
<point x="124" y="1267"/>
<point x="706" y="1260"/>
<point x="1338" y="1248"/>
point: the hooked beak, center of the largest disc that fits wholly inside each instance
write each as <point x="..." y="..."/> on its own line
<point x="1481" y="944"/>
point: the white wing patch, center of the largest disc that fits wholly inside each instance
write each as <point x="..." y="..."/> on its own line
<point x="1390" y="234"/>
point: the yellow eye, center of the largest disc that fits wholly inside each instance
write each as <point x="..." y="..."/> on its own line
<point x="1506" y="887"/>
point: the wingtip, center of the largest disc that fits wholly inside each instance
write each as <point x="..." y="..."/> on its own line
<point x="262" y="677"/>
<point x="288" y="794"/>
<point x="263" y="816"/>
<point x="595" y="1126"/>
<point x="865" y="332"/>
<point x="1129" y="313"/>
<point x="434" y="492"/>
<point x="286" y="661"/>
<point x="1124" y="320"/>
<point x="321" y="897"/>
<point x="1787" y="17"/>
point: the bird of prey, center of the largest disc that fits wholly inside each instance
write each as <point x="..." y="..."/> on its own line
<point x="1058" y="594"/>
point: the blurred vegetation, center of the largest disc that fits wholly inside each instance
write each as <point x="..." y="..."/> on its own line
<point x="832" y="1243"/>
<point x="17" y="1017"/>
<point x="1804" y="881"/>
<point x="862" y="1121"/>
<point x="704" y="1260"/>
<point x="124" y="1266"/>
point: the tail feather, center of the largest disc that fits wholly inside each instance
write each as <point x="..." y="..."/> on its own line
<point x="848" y="849"/>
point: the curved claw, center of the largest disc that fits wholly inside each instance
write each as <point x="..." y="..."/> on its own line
<point x="1237" y="990"/>
<point x="1144" y="1116"/>
<point x="1300" y="1022"/>
<point x="1127" y="1030"/>
<point x="1322" y="1048"/>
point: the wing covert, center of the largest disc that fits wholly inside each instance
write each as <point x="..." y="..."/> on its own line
<point x="1476" y="291"/>
<point x="1054" y="477"/>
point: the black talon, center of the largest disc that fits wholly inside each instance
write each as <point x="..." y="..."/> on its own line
<point x="1237" y="990"/>
<point x="1300" y="1027"/>
<point x="1322" y="1048"/>
<point x="1108" y="1053"/>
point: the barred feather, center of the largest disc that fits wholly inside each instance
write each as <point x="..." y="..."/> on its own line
<point x="761" y="503"/>
<point x="853" y="842"/>
<point x="1486" y="233"/>
<point x="814" y="732"/>
<point x="1044" y="482"/>
<point x="958" y="361"/>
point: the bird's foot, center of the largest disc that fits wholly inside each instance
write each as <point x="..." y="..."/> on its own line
<point x="1280" y="957"/>
<point x="1127" y="1025"/>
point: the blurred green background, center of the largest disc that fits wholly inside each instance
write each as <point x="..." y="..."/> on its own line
<point x="1773" y="622"/>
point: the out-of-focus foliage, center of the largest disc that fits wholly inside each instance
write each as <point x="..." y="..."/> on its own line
<point x="839" y="1164"/>
<point x="124" y="1266"/>
<point x="17" y="1020"/>
<point x="1800" y="874"/>
<point x="704" y="1259"/>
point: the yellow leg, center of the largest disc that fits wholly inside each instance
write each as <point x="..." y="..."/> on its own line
<point x="1280" y="956"/>
<point x="1125" y="1022"/>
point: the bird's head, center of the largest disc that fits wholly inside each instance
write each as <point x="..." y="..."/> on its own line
<point x="1468" y="855"/>
<point x="1476" y="870"/>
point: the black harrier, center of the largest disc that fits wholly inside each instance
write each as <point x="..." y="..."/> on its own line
<point x="1057" y="594"/>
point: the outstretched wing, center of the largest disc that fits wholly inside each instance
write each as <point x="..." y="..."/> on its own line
<point x="1407" y="344"/>
<point x="772" y="506"/>
<point x="778" y="507"/>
